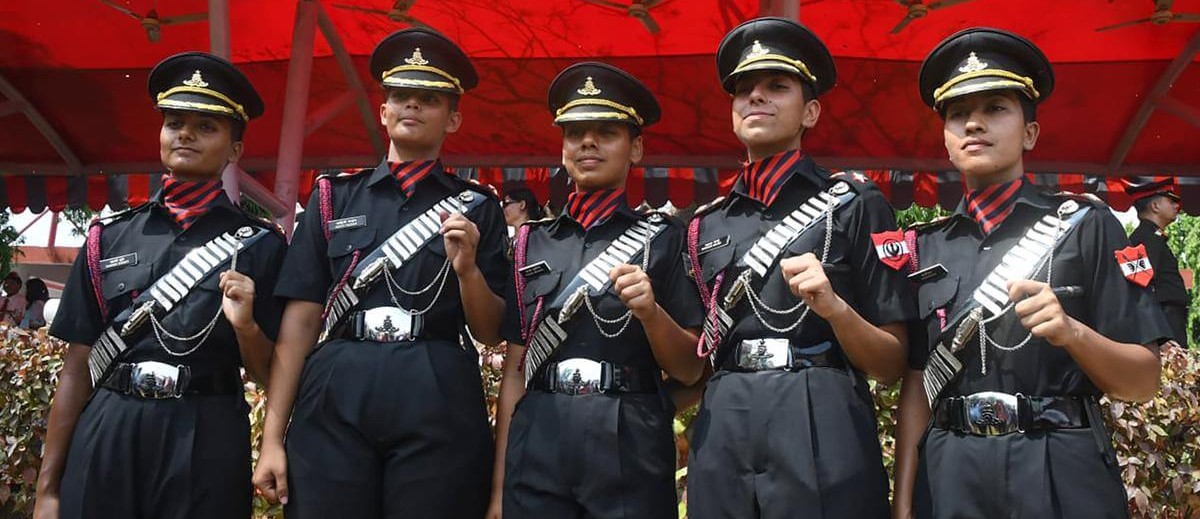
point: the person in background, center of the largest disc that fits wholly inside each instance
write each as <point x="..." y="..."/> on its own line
<point x="12" y="305"/>
<point x="36" y="296"/>
<point x="520" y="206"/>
<point x="1157" y="206"/>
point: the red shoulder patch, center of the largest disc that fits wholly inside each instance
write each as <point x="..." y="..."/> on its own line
<point x="891" y="248"/>
<point x="1135" y="265"/>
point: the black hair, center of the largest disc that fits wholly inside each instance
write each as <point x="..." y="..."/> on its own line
<point x="533" y="210"/>
<point x="35" y="290"/>
<point x="1143" y="204"/>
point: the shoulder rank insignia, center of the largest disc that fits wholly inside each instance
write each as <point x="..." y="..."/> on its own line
<point x="1135" y="265"/>
<point x="843" y="175"/>
<point x="709" y="206"/>
<point x="931" y="224"/>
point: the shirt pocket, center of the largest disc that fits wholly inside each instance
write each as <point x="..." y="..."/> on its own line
<point x="542" y="285"/>
<point x="936" y="295"/>
<point x="347" y="241"/>
<point x="122" y="281"/>
<point x="716" y="261"/>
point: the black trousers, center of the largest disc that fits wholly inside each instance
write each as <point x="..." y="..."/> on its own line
<point x="590" y="456"/>
<point x="389" y="430"/>
<point x="776" y="444"/>
<point x="1177" y="317"/>
<point x="1063" y="474"/>
<point x="159" y="459"/>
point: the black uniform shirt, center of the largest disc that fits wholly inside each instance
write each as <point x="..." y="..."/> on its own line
<point x="566" y="248"/>
<point x="879" y="294"/>
<point x="373" y="198"/>
<point x="1167" y="282"/>
<point x="159" y="243"/>
<point x="1112" y="305"/>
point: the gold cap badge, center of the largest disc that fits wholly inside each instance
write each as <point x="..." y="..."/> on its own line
<point x="589" y="88"/>
<point x="757" y="50"/>
<point x="417" y="58"/>
<point x="973" y="64"/>
<point x="195" y="81"/>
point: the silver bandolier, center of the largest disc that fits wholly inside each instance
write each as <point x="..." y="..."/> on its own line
<point x="990" y="300"/>
<point x="165" y="294"/>
<point x="549" y="333"/>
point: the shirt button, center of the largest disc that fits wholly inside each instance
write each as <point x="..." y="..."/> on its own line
<point x="767" y="215"/>
<point x="120" y="286"/>
<point x="587" y="245"/>
<point x="349" y="248"/>
<point x="405" y="208"/>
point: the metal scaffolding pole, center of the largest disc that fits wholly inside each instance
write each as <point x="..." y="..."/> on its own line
<point x="295" y="107"/>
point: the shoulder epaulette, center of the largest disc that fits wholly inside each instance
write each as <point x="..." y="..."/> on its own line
<point x="267" y="223"/>
<point x="1081" y="197"/>
<point x="486" y="189"/>
<point x="112" y="217"/>
<point x="704" y="209"/>
<point x="343" y="174"/>
<point x="855" y="180"/>
<point x="539" y="221"/>
<point x="930" y="225"/>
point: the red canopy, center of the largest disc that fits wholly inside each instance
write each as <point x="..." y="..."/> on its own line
<point x="82" y="66"/>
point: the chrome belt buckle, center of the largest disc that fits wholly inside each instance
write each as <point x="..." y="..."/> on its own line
<point x="389" y="324"/>
<point x="764" y="354"/>
<point x="155" y="380"/>
<point x="578" y="376"/>
<point x="991" y="413"/>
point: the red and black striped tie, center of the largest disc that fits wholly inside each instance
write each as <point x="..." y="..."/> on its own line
<point x="989" y="206"/>
<point x="411" y="172"/>
<point x="764" y="179"/>
<point x="592" y="207"/>
<point x="187" y="201"/>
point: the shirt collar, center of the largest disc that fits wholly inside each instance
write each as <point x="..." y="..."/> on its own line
<point x="383" y="172"/>
<point x="1029" y="197"/>
<point x="222" y="201"/>
<point x="805" y="168"/>
<point x="622" y="211"/>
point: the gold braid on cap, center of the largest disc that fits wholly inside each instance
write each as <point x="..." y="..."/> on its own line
<point x="626" y="111"/>
<point x="798" y="66"/>
<point x="452" y="84"/>
<point x="1006" y="79"/>
<point x="232" y="109"/>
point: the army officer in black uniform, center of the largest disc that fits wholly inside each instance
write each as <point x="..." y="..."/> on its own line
<point x="164" y="304"/>
<point x="1157" y="206"/>
<point x="388" y="268"/>
<point x="600" y="307"/>
<point x="800" y="270"/>
<point x="1025" y="316"/>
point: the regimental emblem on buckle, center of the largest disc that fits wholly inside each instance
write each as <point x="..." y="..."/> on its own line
<point x="155" y="380"/>
<point x="973" y="64"/>
<point x="763" y="354"/>
<point x="416" y="59"/>
<point x="578" y="376"/>
<point x="589" y="88"/>
<point x="991" y="413"/>
<point x="196" y="80"/>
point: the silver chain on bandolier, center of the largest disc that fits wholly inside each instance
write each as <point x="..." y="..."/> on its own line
<point x="985" y="339"/>
<point x="439" y="280"/>
<point x="197" y="339"/>
<point x="759" y="306"/>
<point x="625" y="318"/>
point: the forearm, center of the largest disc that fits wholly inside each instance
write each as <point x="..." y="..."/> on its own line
<point x="673" y="346"/>
<point x="911" y="422"/>
<point x="1122" y="370"/>
<point x="256" y="350"/>
<point x="74" y="387"/>
<point x="512" y="388"/>
<point x="482" y="307"/>
<point x="688" y="396"/>
<point x="297" y="334"/>
<point x="879" y="351"/>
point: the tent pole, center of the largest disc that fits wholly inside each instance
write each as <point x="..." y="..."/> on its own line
<point x="218" y="42"/>
<point x="369" y="117"/>
<point x="74" y="166"/>
<point x="1180" y="110"/>
<point x="53" y="230"/>
<point x="1150" y="102"/>
<point x="295" y="104"/>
